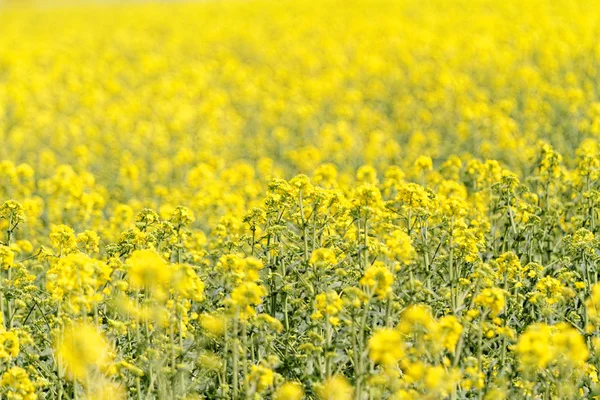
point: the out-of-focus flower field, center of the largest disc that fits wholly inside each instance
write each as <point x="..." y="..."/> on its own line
<point x="300" y="199"/>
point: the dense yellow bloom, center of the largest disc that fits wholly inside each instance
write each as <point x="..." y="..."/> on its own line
<point x="386" y="347"/>
<point x="289" y="391"/>
<point x="416" y="318"/>
<point x="329" y="305"/>
<point x="261" y="377"/>
<point x="415" y="197"/>
<point x="63" y="239"/>
<point x="491" y="299"/>
<point x="7" y="257"/>
<point x="13" y="212"/>
<point x="323" y="258"/>
<point x="247" y="295"/>
<point x="326" y="175"/>
<point x="551" y="291"/>
<point x="182" y="216"/>
<point x="439" y="379"/>
<point x="534" y="346"/>
<point x="400" y="247"/>
<point x="467" y="241"/>
<point x="216" y="325"/>
<point x="390" y="199"/>
<point x="543" y="344"/>
<point x="88" y="241"/>
<point x="9" y="344"/>
<point x="147" y="270"/>
<point x="18" y="385"/>
<point x="76" y="281"/>
<point x="379" y="279"/>
<point x="450" y="330"/>
<point x="592" y="305"/>
<point x="243" y="269"/>
<point x="186" y="283"/>
<point x="423" y="163"/>
<point x="335" y="388"/>
<point x="80" y="349"/>
<point x="508" y="265"/>
<point x="571" y="345"/>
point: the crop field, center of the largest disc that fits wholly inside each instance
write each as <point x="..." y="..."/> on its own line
<point x="333" y="200"/>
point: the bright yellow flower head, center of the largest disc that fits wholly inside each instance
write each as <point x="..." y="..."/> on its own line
<point x="323" y="258"/>
<point x="247" y="295"/>
<point x="386" y="347"/>
<point x="379" y="279"/>
<point x="9" y="344"/>
<point x="541" y="345"/>
<point x="450" y="330"/>
<point x="63" y="239"/>
<point x="147" y="270"/>
<point x="491" y="299"/>
<point x="214" y="324"/>
<point x="7" y="257"/>
<point x="18" y="385"/>
<point x="329" y="305"/>
<point x="400" y="247"/>
<point x="81" y="349"/>
<point x="289" y="391"/>
<point x="593" y="305"/>
<point x="261" y="377"/>
<point x="335" y="388"/>
<point x="416" y="318"/>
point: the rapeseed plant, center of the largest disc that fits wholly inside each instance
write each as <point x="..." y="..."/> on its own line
<point x="287" y="200"/>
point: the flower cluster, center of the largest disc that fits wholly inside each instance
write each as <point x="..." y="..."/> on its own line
<point x="300" y="199"/>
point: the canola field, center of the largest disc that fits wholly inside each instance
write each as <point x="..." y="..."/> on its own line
<point x="334" y="200"/>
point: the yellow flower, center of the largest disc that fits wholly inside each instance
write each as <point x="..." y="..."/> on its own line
<point x="400" y="247"/>
<point x="261" y="377"/>
<point x="439" y="380"/>
<point x="534" y="347"/>
<point x="186" y="283"/>
<point x="245" y="296"/>
<point x="75" y="281"/>
<point x="326" y="176"/>
<point x="80" y="349"/>
<point x="147" y="270"/>
<point x="592" y="305"/>
<point x="449" y="330"/>
<point x="328" y="304"/>
<point x="12" y="211"/>
<point x="240" y="269"/>
<point x="63" y="239"/>
<point x="182" y="216"/>
<point x="416" y="318"/>
<point x="88" y="241"/>
<point x="386" y="347"/>
<point x="18" y="385"/>
<point x="335" y="388"/>
<point x="366" y="174"/>
<point x="7" y="257"/>
<point x="571" y="345"/>
<point x="423" y="163"/>
<point x="379" y="279"/>
<point x="289" y="391"/>
<point x="323" y="258"/>
<point x="491" y="299"/>
<point x="9" y="344"/>
<point x="214" y="324"/>
<point x="543" y="344"/>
